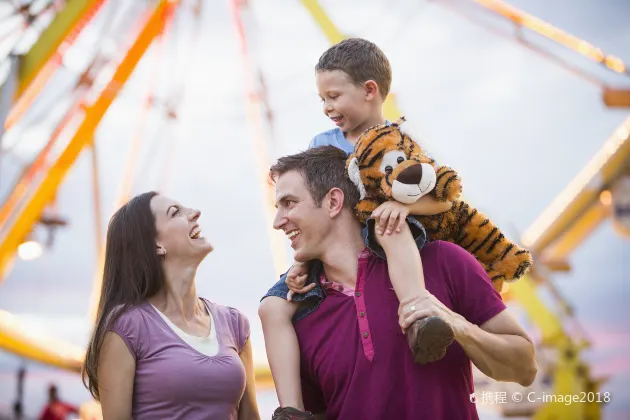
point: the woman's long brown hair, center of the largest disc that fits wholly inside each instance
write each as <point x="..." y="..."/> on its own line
<point x="132" y="273"/>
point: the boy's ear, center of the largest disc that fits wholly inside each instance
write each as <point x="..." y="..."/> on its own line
<point x="371" y="89"/>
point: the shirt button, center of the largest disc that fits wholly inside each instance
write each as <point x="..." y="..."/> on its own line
<point x="366" y="334"/>
<point x="361" y="313"/>
<point x="357" y="294"/>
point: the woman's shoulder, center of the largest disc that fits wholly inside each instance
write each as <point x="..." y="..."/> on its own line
<point x="230" y="313"/>
<point x="129" y="316"/>
<point x="236" y="321"/>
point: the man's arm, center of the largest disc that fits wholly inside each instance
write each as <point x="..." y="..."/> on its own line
<point x="491" y="338"/>
<point x="499" y="347"/>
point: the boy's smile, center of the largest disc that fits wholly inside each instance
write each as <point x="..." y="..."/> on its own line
<point x="351" y="107"/>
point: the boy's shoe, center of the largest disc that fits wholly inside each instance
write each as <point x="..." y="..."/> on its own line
<point x="429" y="338"/>
<point x="290" y="413"/>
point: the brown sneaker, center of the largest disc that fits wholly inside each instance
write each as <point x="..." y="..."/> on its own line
<point x="290" y="413"/>
<point x="429" y="338"/>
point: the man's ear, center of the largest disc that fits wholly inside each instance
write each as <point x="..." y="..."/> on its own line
<point x="371" y="90"/>
<point x="335" y="200"/>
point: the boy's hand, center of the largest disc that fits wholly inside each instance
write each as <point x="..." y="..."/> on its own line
<point x="296" y="278"/>
<point x="390" y="214"/>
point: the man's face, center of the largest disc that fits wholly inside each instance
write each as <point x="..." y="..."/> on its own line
<point x="302" y="221"/>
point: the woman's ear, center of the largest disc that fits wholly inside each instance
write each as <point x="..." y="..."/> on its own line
<point x="161" y="251"/>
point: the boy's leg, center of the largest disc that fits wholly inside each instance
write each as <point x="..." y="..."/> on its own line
<point x="428" y="337"/>
<point x="282" y="348"/>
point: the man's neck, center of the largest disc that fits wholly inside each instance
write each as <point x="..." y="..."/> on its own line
<point x="340" y="259"/>
<point x="353" y="135"/>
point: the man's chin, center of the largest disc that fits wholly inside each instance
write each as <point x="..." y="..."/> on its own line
<point x="301" y="257"/>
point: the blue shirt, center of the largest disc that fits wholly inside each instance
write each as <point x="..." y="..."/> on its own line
<point x="334" y="137"/>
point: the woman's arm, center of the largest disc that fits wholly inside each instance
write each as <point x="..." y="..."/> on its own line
<point x="116" y="373"/>
<point x="248" y="408"/>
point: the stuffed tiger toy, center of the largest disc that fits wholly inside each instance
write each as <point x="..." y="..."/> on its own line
<point x="387" y="164"/>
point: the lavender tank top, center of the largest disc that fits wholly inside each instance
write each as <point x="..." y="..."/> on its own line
<point x="175" y="381"/>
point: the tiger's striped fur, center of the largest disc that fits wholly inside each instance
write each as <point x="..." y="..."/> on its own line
<point x="463" y="225"/>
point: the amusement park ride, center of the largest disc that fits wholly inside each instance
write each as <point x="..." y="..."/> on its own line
<point x="599" y="192"/>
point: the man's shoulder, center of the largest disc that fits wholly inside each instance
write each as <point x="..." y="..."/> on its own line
<point x="444" y="250"/>
<point x="451" y="262"/>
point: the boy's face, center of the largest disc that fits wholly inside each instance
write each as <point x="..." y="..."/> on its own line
<point x="345" y="103"/>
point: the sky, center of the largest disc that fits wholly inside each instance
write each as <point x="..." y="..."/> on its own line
<point x="515" y="125"/>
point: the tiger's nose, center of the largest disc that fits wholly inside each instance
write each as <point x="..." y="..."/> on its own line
<point x="411" y="175"/>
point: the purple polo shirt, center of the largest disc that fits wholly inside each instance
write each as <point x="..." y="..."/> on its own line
<point x="355" y="361"/>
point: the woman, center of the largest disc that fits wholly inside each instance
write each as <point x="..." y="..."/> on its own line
<point x="158" y="351"/>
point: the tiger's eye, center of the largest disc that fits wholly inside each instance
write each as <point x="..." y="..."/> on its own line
<point x="389" y="169"/>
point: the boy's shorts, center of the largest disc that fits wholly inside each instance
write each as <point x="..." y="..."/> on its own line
<point x="311" y="299"/>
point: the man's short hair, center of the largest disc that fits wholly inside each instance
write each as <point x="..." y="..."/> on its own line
<point x="323" y="169"/>
<point x="361" y="60"/>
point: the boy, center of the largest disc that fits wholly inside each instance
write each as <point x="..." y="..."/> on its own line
<point x="353" y="79"/>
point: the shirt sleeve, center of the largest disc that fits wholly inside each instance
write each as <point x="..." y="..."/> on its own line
<point x="475" y="298"/>
<point x="128" y="326"/>
<point x="241" y="328"/>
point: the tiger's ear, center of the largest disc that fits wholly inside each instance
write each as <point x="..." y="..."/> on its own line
<point x="399" y="121"/>
<point x="355" y="175"/>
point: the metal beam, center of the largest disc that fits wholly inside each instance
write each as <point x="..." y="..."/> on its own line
<point x="12" y="235"/>
<point x="573" y="237"/>
<point x="552" y="33"/>
<point x="45" y="56"/>
<point x="15" y="338"/>
<point x="571" y="205"/>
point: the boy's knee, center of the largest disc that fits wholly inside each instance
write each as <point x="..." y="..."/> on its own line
<point x="273" y="308"/>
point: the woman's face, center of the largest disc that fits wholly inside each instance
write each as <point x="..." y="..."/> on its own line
<point x="179" y="236"/>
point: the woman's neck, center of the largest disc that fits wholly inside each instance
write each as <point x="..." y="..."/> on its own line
<point x="179" y="295"/>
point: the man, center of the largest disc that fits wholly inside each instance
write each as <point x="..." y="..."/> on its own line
<point x="355" y="362"/>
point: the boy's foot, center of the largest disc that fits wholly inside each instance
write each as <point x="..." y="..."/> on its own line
<point x="290" y="413"/>
<point x="429" y="338"/>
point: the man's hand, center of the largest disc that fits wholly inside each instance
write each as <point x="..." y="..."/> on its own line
<point x="296" y="278"/>
<point x="390" y="214"/>
<point x="412" y="309"/>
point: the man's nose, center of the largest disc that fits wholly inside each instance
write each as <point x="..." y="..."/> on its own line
<point x="279" y="220"/>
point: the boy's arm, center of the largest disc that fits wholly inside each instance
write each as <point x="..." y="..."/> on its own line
<point x="392" y="214"/>
<point x="428" y="205"/>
